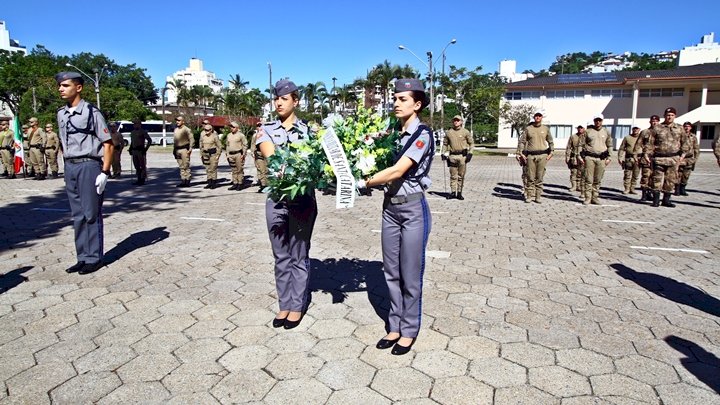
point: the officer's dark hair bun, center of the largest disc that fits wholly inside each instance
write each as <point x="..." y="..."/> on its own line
<point x="422" y="97"/>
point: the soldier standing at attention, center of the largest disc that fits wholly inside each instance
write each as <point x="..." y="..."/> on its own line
<point x="595" y="154"/>
<point x="236" y="148"/>
<point x="536" y="148"/>
<point x="52" y="148"/>
<point x="691" y="158"/>
<point x="716" y="148"/>
<point x="668" y="146"/>
<point x="140" y="142"/>
<point x="27" y="159"/>
<point x="628" y="161"/>
<point x="645" y="164"/>
<point x="7" y="149"/>
<point x="118" y="143"/>
<point x="88" y="153"/>
<point x="459" y="144"/>
<point x="210" y="149"/>
<point x="182" y="148"/>
<point x="260" y="161"/>
<point x="572" y="159"/>
<point x="406" y="217"/>
<point x="36" y="139"/>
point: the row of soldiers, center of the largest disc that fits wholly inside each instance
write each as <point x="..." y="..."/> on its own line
<point x="40" y="147"/>
<point x="664" y="154"/>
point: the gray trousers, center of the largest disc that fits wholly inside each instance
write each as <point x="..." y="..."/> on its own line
<point x="85" y="208"/>
<point x="405" y="231"/>
<point x="290" y="227"/>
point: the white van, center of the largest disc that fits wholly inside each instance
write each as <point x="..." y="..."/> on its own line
<point x="154" y="129"/>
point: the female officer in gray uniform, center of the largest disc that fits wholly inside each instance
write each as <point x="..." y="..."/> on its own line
<point x="290" y="223"/>
<point x="406" y="219"/>
<point x="88" y="152"/>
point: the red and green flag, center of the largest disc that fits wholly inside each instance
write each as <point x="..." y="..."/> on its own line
<point x="19" y="150"/>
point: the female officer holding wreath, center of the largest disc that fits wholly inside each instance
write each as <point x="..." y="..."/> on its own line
<point x="290" y="223"/>
<point x="406" y="219"/>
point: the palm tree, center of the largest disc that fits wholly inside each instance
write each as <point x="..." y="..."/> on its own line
<point x="311" y="92"/>
<point x="202" y="94"/>
<point x="180" y="90"/>
<point x="238" y="83"/>
<point x="345" y="95"/>
<point x="381" y="76"/>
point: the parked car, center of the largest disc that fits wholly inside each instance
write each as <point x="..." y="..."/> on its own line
<point x="154" y="129"/>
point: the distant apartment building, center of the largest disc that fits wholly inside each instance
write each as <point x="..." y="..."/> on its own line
<point x="707" y="51"/>
<point x="625" y="98"/>
<point x="8" y="44"/>
<point x="507" y="69"/>
<point x="193" y="75"/>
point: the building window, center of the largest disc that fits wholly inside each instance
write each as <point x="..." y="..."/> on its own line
<point x="707" y="132"/>
<point x="560" y="131"/>
<point x="618" y="131"/>
<point x="620" y="93"/>
<point x="513" y="95"/>
<point x="565" y="94"/>
<point x="521" y="95"/>
<point x="669" y="92"/>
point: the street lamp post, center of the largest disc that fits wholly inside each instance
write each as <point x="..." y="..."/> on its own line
<point x="442" y="86"/>
<point x="96" y="80"/>
<point x="162" y="97"/>
<point x="270" y="89"/>
<point x="334" y="94"/>
<point x="432" y="86"/>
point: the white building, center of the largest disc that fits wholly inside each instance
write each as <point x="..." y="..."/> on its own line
<point x="507" y="69"/>
<point x="707" y="51"/>
<point x="194" y="75"/>
<point x="8" y="44"/>
<point x="625" y="98"/>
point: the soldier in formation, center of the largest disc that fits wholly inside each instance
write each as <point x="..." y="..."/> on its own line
<point x="573" y="162"/>
<point x="645" y="163"/>
<point x="119" y="143"/>
<point x="260" y="161"/>
<point x="140" y="142"/>
<point x="210" y="149"/>
<point x="535" y="148"/>
<point x="52" y="149"/>
<point x="629" y="162"/>
<point x="595" y="155"/>
<point x="667" y="148"/>
<point x="457" y="147"/>
<point x="688" y="166"/>
<point x="182" y="149"/>
<point x="7" y="149"/>
<point x="36" y="141"/>
<point x="236" y="148"/>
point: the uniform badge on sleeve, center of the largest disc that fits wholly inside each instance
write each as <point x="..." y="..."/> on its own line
<point x="419" y="143"/>
<point x="105" y="130"/>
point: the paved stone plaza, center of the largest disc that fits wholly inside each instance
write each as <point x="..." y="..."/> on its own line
<point x="552" y="303"/>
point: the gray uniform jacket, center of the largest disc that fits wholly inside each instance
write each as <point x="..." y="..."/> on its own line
<point x="277" y="134"/>
<point x="417" y="153"/>
<point x="82" y="130"/>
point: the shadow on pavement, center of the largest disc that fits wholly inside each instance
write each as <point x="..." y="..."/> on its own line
<point x="704" y="365"/>
<point x="670" y="289"/>
<point x="444" y="195"/>
<point x="13" y="278"/>
<point x="135" y="241"/>
<point x="338" y="277"/>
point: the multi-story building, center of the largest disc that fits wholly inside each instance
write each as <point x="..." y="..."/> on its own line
<point x="8" y="44"/>
<point x="625" y="98"/>
<point x="707" y="51"/>
<point x="193" y="75"/>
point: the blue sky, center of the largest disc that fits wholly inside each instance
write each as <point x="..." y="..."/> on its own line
<point x="312" y="41"/>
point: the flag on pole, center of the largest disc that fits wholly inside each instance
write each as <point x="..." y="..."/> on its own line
<point x="19" y="150"/>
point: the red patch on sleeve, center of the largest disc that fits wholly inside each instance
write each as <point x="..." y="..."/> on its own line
<point x="419" y="143"/>
<point x="106" y="130"/>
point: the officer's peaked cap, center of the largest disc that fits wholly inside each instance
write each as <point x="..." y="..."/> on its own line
<point x="409" y="85"/>
<point x="62" y="76"/>
<point x="284" y="87"/>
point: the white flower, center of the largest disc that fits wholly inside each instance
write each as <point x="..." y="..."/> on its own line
<point x="369" y="140"/>
<point x="366" y="163"/>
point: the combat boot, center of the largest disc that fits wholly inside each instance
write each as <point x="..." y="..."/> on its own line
<point x="682" y="190"/>
<point x="213" y="184"/>
<point x="233" y="187"/>
<point x="6" y="174"/>
<point x="55" y="175"/>
<point x="209" y="184"/>
<point x="650" y="195"/>
<point x="186" y="182"/>
<point x="459" y="196"/>
<point x="666" y="200"/>
<point x="677" y="190"/>
<point x="643" y="197"/>
<point x="656" y="198"/>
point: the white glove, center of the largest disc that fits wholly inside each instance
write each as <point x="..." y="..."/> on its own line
<point x="361" y="184"/>
<point x="100" y="182"/>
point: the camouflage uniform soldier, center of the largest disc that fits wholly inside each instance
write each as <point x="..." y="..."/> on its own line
<point x="119" y="143"/>
<point x="645" y="164"/>
<point x="458" y="145"/>
<point x="182" y="148"/>
<point x="210" y="149"/>
<point x="716" y="148"/>
<point x="535" y="148"/>
<point x="36" y="140"/>
<point x="52" y="148"/>
<point x="27" y="159"/>
<point x="236" y="148"/>
<point x="7" y="149"/>
<point x="690" y="159"/>
<point x="572" y="160"/>
<point x="628" y="161"/>
<point x="260" y="162"/>
<point x="140" y="142"/>
<point x="595" y="153"/>
<point x="667" y="146"/>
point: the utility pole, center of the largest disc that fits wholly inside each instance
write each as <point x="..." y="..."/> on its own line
<point x="432" y="93"/>
<point x="34" y="101"/>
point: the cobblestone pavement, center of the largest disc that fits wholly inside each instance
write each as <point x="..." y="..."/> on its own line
<point x="552" y="303"/>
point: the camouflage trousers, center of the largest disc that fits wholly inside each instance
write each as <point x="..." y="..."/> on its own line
<point x="577" y="178"/>
<point x="237" y="165"/>
<point x="51" y="156"/>
<point x="457" y="166"/>
<point x="261" y="167"/>
<point x="594" y="173"/>
<point x="631" y="172"/>
<point x="665" y="174"/>
<point x="7" y="160"/>
<point x="684" y="173"/>
<point x="645" y="174"/>
<point x="535" y="174"/>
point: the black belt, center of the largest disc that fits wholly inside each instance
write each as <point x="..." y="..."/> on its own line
<point x="210" y="151"/>
<point x="537" y="152"/>
<point x="49" y="147"/>
<point x="459" y="153"/>
<point x="402" y="199"/>
<point x="232" y="152"/>
<point x="36" y="146"/>
<point x="81" y="159"/>
<point x="187" y="147"/>
<point x="669" y="154"/>
<point x="603" y="155"/>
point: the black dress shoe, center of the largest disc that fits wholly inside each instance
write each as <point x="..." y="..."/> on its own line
<point x="398" y="350"/>
<point x="75" y="267"/>
<point x="385" y="343"/>
<point x="288" y="324"/>
<point x="278" y="323"/>
<point x="90" y="268"/>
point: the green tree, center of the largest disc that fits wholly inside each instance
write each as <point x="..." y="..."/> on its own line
<point x="644" y="61"/>
<point x="518" y="116"/>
